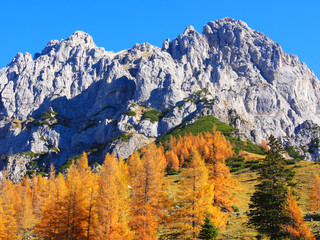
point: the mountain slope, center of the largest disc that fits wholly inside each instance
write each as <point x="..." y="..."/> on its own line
<point x="75" y="96"/>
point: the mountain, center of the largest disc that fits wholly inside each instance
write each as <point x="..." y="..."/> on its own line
<point x="75" y="96"/>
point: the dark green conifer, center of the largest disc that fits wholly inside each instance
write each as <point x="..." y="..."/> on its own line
<point x="208" y="230"/>
<point x="266" y="208"/>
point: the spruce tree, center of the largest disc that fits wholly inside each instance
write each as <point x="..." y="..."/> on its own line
<point x="266" y="213"/>
<point x="208" y="230"/>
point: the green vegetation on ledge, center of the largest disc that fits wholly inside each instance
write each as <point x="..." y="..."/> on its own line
<point x="153" y="115"/>
<point x="131" y="113"/>
<point x="205" y="124"/>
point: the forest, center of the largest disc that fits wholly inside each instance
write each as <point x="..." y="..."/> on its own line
<point x="135" y="199"/>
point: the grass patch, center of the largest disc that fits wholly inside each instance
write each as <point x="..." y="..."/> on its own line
<point x="235" y="164"/>
<point x="201" y="125"/>
<point x="49" y="115"/>
<point x="56" y="149"/>
<point x="248" y="146"/>
<point x="205" y="124"/>
<point x="69" y="162"/>
<point x="152" y="115"/>
<point x="28" y="153"/>
<point x="131" y="113"/>
<point x="33" y="164"/>
<point x="180" y="105"/>
<point x="124" y="137"/>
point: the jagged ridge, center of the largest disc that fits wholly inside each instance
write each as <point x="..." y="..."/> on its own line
<point x="74" y="96"/>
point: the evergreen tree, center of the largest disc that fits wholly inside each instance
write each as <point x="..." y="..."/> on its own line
<point x="208" y="230"/>
<point x="268" y="201"/>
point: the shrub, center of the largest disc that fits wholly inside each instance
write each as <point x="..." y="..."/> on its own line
<point x="33" y="164"/>
<point x="124" y="137"/>
<point x="152" y="115"/>
<point x="235" y="208"/>
<point x="294" y="154"/>
<point x="56" y="149"/>
<point x="235" y="164"/>
<point x="290" y="161"/>
<point x="69" y="162"/>
<point x="131" y="113"/>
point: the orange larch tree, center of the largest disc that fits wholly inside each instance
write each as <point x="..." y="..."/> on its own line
<point x="9" y="199"/>
<point x="148" y="193"/>
<point x="296" y="228"/>
<point x="215" y="149"/>
<point x="172" y="160"/>
<point x="77" y="200"/>
<point x="3" y="230"/>
<point x="314" y="200"/>
<point x="219" y="150"/>
<point x="52" y="224"/>
<point x="195" y="196"/>
<point x="26" y="217"/>
<point x="65" y="215"/>
<point x="113" y="200"/>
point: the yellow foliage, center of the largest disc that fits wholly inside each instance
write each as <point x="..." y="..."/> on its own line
<point x="296" y="227"/>
<point x="314" y="201"/>
<point x="195" y="196"/>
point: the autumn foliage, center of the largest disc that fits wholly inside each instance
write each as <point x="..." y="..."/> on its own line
<point x="124" y="199"/>
<point x="214" y="149"/>
<point x="314" y="202"/>
<point x="296" y="228"/>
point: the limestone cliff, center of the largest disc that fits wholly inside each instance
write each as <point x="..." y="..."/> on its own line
<point x="75" y="96"/>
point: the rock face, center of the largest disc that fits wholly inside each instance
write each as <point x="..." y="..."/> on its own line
<point x="75" y="96"/>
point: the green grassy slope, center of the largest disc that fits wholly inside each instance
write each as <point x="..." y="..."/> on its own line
<point x="205" y="124"/>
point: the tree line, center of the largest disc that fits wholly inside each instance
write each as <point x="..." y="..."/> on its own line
<point x="132" y="200"/>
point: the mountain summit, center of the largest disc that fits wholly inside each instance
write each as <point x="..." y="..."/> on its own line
<point x="75" y="96"/>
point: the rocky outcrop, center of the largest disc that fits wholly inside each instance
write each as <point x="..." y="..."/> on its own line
<point x="75" y="96"/>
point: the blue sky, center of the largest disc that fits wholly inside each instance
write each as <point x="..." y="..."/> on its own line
<point x="27" y="26"/>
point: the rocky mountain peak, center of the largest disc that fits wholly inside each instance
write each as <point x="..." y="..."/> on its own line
<point x="188" y="30"/>
<point x="78" y="41"/>
<point x="75" y="96"/>
<point x="81" y="38"/>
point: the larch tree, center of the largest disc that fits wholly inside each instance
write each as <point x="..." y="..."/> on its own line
<point x="77" y="200"/>
<point x="113" y="200"/>
<point x="27" y="219"/>
<point x="148" y="193"/>
<point x="92" y="211"/>
<point x="314" y="200"/>
<point x="52" y="224"/>
<point x="172" y="160"/>
<point x="3" y="230"/>
<point x="215" y="149"/>
<point x="88" y="204"/>
<point x="195" y="196"/>
<point x="219" y="150"/>
<point x="66" y="213"/>
<point x="295" y="227"/>
<point x="9" y="198"/>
